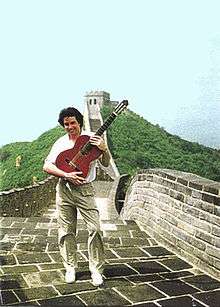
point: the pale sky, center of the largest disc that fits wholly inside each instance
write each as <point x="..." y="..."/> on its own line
<point x="161" y="55"/>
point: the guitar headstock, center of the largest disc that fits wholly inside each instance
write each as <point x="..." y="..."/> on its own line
<point x="121" y="106"/>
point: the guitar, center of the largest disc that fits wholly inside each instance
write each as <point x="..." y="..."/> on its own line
<point x="78" y="158"/>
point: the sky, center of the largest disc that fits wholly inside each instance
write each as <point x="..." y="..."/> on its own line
<point x="161" y="55"/>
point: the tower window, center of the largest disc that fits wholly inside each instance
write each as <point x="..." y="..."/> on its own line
<point x="94" y="100"/>
<point x="90" y="101"/>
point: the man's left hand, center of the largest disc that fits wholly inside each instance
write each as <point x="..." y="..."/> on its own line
<point x="99" y="142"/>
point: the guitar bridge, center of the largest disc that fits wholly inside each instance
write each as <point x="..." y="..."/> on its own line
<point x="69" y="162"/>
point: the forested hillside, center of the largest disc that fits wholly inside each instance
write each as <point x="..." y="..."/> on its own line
<point x="134" y="143"/>
<point x="31" y="156"/>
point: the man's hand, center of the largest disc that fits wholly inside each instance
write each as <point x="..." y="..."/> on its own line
<point x="74" y="178"/>
<point x="99" y="142"/>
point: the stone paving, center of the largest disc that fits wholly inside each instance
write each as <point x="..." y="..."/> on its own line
<point x="138" y="271"/>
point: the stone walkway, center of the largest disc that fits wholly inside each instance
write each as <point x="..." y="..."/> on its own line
<point x="138" y="271"/>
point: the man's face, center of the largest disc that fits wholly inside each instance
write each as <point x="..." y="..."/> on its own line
<point x="71" y="126"/>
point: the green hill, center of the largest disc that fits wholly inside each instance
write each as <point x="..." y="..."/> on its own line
<point x="134" y="143"/>
<point x="32" y="158"/>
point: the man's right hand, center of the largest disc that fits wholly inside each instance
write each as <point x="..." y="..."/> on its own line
<point x="75" y="178"/>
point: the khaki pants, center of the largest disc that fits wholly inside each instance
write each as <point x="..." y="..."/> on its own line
<point x="69" y="198"/>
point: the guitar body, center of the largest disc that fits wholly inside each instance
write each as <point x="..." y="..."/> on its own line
<point x="72" y="160"/>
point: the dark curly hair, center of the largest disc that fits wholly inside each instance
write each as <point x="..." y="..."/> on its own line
<point x="70" y="112"/>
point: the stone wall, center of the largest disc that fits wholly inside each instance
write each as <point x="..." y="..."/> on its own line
<point x="28" y="201"/>
<point x="35" y="199"/>
<point x="181" y="211"/>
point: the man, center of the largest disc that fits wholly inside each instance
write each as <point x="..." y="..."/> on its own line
<point x="75" y="192"/>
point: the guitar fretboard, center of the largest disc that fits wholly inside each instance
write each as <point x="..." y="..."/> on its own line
<point x="106" y="124"/>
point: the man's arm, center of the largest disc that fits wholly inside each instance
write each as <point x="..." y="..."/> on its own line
<point x="105" y="158"/>
<point x="73" y="177"/>
<point x="100" y="143"/>
<point x="51" y="169"/>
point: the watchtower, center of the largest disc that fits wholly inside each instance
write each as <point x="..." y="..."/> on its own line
<point x="96" y="98"/>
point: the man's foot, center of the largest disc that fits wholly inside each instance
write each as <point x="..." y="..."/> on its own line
<point x="70" y="276"/>
<point x="97" y="279"/>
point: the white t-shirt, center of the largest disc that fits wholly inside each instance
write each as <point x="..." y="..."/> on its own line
<point x="64" y="143"/>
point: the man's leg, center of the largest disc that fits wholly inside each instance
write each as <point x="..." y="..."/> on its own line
<point x="90" y="214"/>
<point x="95" y="242"/>
<point x="67" y="220"/>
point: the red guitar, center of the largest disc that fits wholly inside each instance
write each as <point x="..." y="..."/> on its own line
<point x="83" y="153"/>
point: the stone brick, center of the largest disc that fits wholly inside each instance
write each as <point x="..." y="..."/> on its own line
<point x="140" y="293"/>
<point x="7" y="260"/>
<point x="125" y="252"/>
<point x="68" y="300"/>
<point x="118" y="270"/>
<point x="43" y="278"/>
<point x="216" y="242"/>
<point x="148" y="267"/>
<point x="210" y="218"/>
<point x="203" y="225"/>
<point x="36" y="293"/>
<point x="202" y="205"/>
<point x="164" y="199"/>
<point x="212" y="189"/>
<point x="175" y="264"/>
<point x="184" y="236"/>
<point x="197" y="194"/>
<point x="197" y="243"/>
<point x="171" y="177"/>
<point x="195" y="185"/>
<point x="103" y="297"/>
<point x="126" y="242"/>
<point x="33" y="258"/>
<point x="190" y="210"/>
<point x="177" y="195"/>
<point x="12" y="281"/>
<point x="217" y="211"/>
<point x="203" y="282"/>
<point x="15" y="269"/>
<point x="170" y="286"/>
<point x="211" y="199"/>
<point x="204" y="236"/>
<point x="32" y="247"/>
<point x="217" y="266"/>
<point x="181" y="301"/>
<point x="8" y="297"/>
<point x="175" y="275"/>
<point x="157" y="251"/>
<point x="171" y="219"/>
<point x="210" y="298"/>
<point x="143" y="278"/>
<point x="188" y="228"/>
<point x="182" y="181"/>
<point x="166" y="183"/>
<point x="212" y="251"/>
<point x="183" y="189"/>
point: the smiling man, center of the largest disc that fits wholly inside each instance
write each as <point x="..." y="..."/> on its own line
<point x="74" y="192"/>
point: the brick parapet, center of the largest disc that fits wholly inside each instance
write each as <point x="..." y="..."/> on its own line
<point x="30" y="200"/>
<point x="181" y="211"/>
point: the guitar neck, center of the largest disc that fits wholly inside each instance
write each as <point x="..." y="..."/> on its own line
<point x="106" y="124"/>
<point x="119" y="108"/>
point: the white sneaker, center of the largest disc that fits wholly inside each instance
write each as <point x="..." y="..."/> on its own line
<point x="70" y="276"/>
<point x="97" y="279"/>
